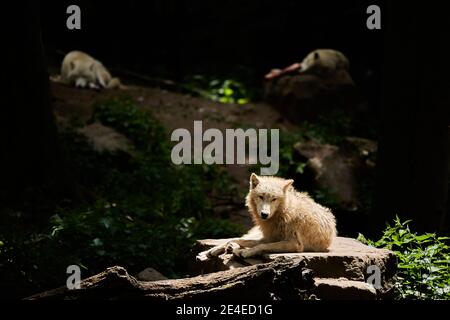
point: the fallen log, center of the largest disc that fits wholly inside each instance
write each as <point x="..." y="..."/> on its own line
<point x="278" y="280"/>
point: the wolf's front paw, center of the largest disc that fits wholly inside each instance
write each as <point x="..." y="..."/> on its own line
<point x="93" y="86"/>
<point x="245" y="253"/>
<point x="213" y="252"/>
<point x="228" y="247"/>
<point x="202" y="256"/>
<point x="217" y="250"/>
<point x="231" y="247"/>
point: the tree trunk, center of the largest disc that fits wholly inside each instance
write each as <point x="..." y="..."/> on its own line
<point x="275" y="280"/>
<point x="413" y="159"/>
<point x="28" y="142"/>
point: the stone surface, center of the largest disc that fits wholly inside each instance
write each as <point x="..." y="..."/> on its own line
<point x="332" y="170"/>
<point x="338" y="169"/>
<point x="343" y="289"/>
<point x="103" y="138"/>
<point x="366" y="148"/>
<point x="347" y="258"/>
<point x="150" y="274"/>
<point x="307" y="96"/>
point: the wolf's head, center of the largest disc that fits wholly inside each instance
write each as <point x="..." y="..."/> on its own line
<point x="82" y="72"/>
<point x="314" y="64"/>
<point x="267" y="195"/>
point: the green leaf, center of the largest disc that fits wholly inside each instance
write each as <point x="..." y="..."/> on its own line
<point x="228" y="92"/>
<point x="423" y="261"/>
<point x="97" y="242"/>
<point x="301" y="168"/>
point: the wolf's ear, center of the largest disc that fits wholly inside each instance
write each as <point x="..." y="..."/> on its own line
<point x="287" y="185"/>
<point x="71" y="65"/>
<point x="316" y="55"/>
<point x="254" y="181"/>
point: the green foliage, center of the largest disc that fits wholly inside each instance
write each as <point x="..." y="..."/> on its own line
<point x="138" y="125"/>
<point x="423" y="261"/>
<point x="292" y="167"/>
<point x="112" y="234"/>
<point x="136" y="210"/>
<point x="288" y="165"/>
<point x="325" y="197"/>
<point x="331" y="129"/>
<point x="220" y="90"/>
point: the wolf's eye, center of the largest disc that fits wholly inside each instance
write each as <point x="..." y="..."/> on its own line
<point x="273" y="200"/>
<point x="261" y="197"/>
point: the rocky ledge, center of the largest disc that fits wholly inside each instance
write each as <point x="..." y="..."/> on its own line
<point x="349" y="270"/>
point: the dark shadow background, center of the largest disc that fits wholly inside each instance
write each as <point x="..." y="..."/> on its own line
<point x="402" y="72"/>
<point x="395" y="68"/>
<point x="173" y="39"/>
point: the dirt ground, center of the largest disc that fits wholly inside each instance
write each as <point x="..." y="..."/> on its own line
<point x="176" y="110"/>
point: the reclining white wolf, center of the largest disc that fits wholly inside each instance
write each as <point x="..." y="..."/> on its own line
<point x="285" y="221"/>
<point x="83" y="71"/>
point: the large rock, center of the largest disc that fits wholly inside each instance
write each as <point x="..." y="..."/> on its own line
<point x="103" y="138"/>
<point x="342" y="272"/>
<point x="338" y="169"/>
<point x="307" y="96"/>
<point x="332" y="171"/>
<point x="343" y="289"/>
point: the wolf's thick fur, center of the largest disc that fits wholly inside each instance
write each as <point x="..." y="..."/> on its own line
<point x="285" y="221"/>
<point x="329" y="64"/>
<point x="82" y="70"/>
<point x="325" y="59"/>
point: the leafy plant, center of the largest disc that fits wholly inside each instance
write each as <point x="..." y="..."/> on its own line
<point x="135" y="210"/>
<point x="138" y="125"/>
<point x="327" y="130"/>
<point x="220" y="90"/>
<point x="332" y="128"/>
<point x="289" y="166"/>
<point x="325" y="197"/>
<point x="423" y="261"/>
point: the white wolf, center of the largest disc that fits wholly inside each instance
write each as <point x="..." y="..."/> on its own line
<point x="82" y="70"/>
<point x="285" y="221"/>
<point x="329" y="64"/>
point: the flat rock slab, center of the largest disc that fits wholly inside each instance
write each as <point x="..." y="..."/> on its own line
<point x="343" y="289"/>
<point x="346" y="259"/>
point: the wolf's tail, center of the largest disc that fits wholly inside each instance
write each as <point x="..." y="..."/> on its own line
<point x="115" y="83"/>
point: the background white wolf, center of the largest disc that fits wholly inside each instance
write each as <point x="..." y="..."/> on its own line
<point x="82" y="70"/>
<point x="329" y="64"/>
<point x="285" y="221"/>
